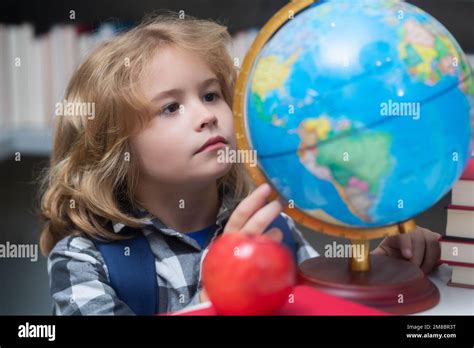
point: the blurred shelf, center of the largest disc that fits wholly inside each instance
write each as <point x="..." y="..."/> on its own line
<point x="39" y="142"/>
<point x="27" y="141"/>
<point x="238" y="15"/>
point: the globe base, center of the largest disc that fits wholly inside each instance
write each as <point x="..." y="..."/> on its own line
<point x="391" y="285"/>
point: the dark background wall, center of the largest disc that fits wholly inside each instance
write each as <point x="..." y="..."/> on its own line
<point x="456" y="15"/>
<point x="24" y="284"/>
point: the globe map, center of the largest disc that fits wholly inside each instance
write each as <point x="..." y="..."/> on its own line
<point x="360" y="111"/>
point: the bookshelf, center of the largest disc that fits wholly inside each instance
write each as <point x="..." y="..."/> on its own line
<point x="19" y="131"/>
<point x="27" y="141"/>
<point x="31" y="141"/>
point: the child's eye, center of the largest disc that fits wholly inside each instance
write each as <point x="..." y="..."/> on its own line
<point x="210" y="97"/>
<point x="170" y="109"/>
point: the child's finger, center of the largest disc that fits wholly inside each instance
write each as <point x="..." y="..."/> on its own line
<point x="432" y="255"/>
<point x="247" y="208"/>
<point x="405" y="245"/>
<point x="262" y="218"/>
<point x="418" y="248"/>
<point x="275" y="233"/>
<point x="389" y="247"/>
<point x="203" y="296"/>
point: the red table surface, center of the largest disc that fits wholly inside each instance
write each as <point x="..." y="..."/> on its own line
<point x="309" y="301"/>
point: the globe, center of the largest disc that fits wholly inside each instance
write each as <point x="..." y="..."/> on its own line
<point x="359" y="111"/>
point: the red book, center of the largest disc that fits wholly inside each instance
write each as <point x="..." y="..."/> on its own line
<point x="460" y="285"/>
<point x="309" y="301"/>
<point x="468" y="173"/>
<point x="460" y="207"/>
<point x="460" y="221"/>
<point x="458" y="264"/>
<point x="462" y="277"/>
<point x="463" y="189"/>
<point x="457" y="251"/>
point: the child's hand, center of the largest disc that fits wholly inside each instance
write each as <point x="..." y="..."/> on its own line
<point x="420" y="247"/>
<point x="253" y="214"/>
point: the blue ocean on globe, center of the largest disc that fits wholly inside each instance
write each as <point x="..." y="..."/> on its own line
<point x="360" y="111"/>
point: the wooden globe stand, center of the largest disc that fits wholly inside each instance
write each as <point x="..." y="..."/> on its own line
<point x="392" y="285"/>
<point x="379" y="281"/>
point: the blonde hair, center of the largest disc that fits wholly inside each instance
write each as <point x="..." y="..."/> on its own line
<point x="88" y="181"/>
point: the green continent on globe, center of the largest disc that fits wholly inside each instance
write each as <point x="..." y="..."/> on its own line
<point x="259" y="108"/>
<point x="355" y="164"/>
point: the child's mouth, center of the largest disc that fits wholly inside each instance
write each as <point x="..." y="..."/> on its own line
<point x="213" y="147"/>
<point x="213" y="143"/>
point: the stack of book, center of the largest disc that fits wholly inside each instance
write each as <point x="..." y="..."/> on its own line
<point x="457" y="247"/>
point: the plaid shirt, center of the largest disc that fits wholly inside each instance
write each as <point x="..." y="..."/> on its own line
<point x="80" y="284"/>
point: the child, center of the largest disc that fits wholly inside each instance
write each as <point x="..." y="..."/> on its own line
<point x="147" y="163"/>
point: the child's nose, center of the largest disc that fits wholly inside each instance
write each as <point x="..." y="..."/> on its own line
<point x="208" y="119"/>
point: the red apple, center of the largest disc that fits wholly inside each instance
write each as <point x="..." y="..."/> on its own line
<point x="248" y="274"/>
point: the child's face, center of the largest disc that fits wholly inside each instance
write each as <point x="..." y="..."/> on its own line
<point x="190" y="110"/>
